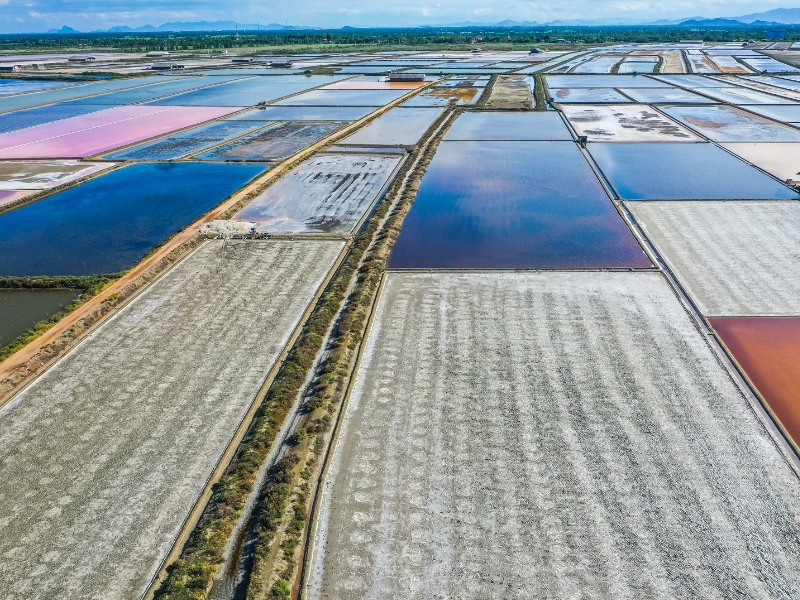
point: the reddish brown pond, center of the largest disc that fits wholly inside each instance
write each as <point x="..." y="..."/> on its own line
<point x="768" y="349"/>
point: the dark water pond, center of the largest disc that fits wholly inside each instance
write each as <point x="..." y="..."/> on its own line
<point x="513" y="205"/>
<point x="108" y="223"/>
<point x="22" y="309"/>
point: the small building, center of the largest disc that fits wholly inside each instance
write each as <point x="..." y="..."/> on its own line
<point x="156" y="54"/>
<point x="776" y="34"/>
<point x="80" y="58"/>
<point x="165" y="66"/>
<point x="9" y="68"/>
<point x="241" y="59"/>
<point x="280" y="64"/>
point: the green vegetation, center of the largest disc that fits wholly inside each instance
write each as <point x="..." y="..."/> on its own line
<point x="538" y="93"/>
<point x="90" y="284"/>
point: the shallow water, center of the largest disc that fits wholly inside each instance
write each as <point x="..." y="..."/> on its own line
<point x="679" y="171"/>
<point x="511" y="126"/>
<point x="22" y="309"/>
<point x="513" y="205"/>
<point x="108" y="223"/>
<point x="768" y="349"/>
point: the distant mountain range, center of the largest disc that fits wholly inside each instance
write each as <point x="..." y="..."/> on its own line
<point x="189" y="26"/>
<point x="777" y="16"/>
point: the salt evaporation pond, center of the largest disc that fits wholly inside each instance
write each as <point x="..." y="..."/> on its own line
<point x="789" y="113"/>
<point x="732" y="124"/>
<point x="343" y="98"/>
<point x="600" y="81"/>
<point x="191" y="141"/>
<point x="678" y="171"/>
<point x="31" y="117"/>
<point x="398" y="127"/>
<point x="586" y="95"/>
<point x="154" y="91"/>
<point x="305" y="113"/>
<point x="275" y="142"/>
<point x="509" y="126"/>
<point x="768" y="350"/>
<point x="21" y="309"/>
<point x="108" y="223"/>
<point x="9" y="87"/>
<point x="513" y="205"/>
<point x="661" y="95"/>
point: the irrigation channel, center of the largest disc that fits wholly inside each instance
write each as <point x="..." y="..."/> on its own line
<point x="233" y="579"/>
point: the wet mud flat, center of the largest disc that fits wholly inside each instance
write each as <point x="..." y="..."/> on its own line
<point x="103" y="457"/>
<point x="511" y="92"/>
<point x="553" y="435"/>
<point x="733" y="258"/>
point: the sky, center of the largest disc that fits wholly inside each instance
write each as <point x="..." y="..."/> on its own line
<point x="88" y="15"/>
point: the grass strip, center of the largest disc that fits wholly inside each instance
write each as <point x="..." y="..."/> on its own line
<point x="539" y="98"/>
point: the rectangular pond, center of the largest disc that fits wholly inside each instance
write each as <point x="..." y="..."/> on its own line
<point x="603" y="81"/>
<point x="305" y="113"/>
<point x="275" y="143"/>
<point x="153" y="91"/>
<point x="512" y="205"/>
<point x="343" y="98"/>
<point x="586" y="95"/>
<point x="40" y="175"/>
<point x="724" y="123"/>
<point x="329" y="193"/>
<point x="667" y="171"/>
<point x="248" y="92"/>
<point x="665" y="96"/>
<point x="107" y="224"/>
<point x="788" y="113"/>
<point x="10" y="87"/>
<point x="743" y="95"/>
<point x="31" y="117"/>
<point x="102" y="131"/>
<point x="21" y="309"/>
<point x="768" y="350"/>
<point x="626" y="123"/>
<point x="398" y="127"/>
<point x="191" y="141"/>
<point x="509" y="126"/>
<point x="441" y="96"/>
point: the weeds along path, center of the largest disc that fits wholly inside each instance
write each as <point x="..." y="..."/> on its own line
<point x="327" y="349"/>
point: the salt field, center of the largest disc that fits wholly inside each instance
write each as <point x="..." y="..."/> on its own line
<point x="734" y="258"/>
<point x="694" y="172"/>
<point x="108" y="223"/>
<point x="507" y="205"/>
<point x="621" y="123"/>
<point x="275" y="142"/>
<point x="126" y="429"/>
<point x="510" y="324"/>
<point x="584" y="482"/>
<point x="328" y="194"/>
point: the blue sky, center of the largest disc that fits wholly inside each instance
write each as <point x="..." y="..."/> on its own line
<point x="86" y="15"/>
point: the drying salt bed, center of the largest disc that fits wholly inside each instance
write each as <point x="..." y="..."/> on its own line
<point x="509" y="126"/>
<point x="189" y="142"/>
<point x="693" y="81"/>
<point x="44" y="114"/>
<point x="343" y="98"/>
<point x="733" y="258"/>
<point x="9" y="196"/>
<point x="586" y="95"/>
<point x="329" y="193"/>
<point x="603" y="81"/>
<point x="102" y="457"/>
<point x="665" y="96"/>
<point x="104" y="130"/>
<point x="110" y="222"/>
<point x="39" y="175"/>
<point x="779" y="159"/>
<point x="305" y="113"/>
<point x="667" y="171"/>
<point x="276" y="142"/>
<point x="397" y="127"/>
<point x="732" y="124"/>
<point x="248" y="92"/>
<point x="9" y="103"/>
<point x="768" y="351"/>
<point x="621" y="123"/>
<point x="21" y="309"/>
<point x="517" y="435"/>
<point x="441" y="96"/>
<point x="513" y="205"/>
<point x="9" y="87"/>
